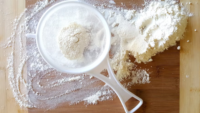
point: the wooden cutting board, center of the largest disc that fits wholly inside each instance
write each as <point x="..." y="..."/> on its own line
<point x="170" y="91"/>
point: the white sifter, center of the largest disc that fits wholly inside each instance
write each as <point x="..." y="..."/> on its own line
<point x="96" y="57"/>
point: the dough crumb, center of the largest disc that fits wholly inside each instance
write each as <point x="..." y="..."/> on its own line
<point x="156" y="28"/>
<point x="178" y="48"/>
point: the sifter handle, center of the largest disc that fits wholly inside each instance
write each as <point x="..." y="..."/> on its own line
<point x="123" y="94"/>
<point x="31" y="35"/>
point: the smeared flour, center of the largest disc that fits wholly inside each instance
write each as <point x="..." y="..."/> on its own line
<point x="35" y="84"/>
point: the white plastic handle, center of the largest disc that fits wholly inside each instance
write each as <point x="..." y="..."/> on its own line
<point x="123" y="94"/>
<point x="31" y="35"/>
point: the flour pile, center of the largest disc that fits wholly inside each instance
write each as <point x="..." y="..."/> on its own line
<point x="156" y="28"/>
<point x="144" y="33"/>
<point x="73" y="40"/>
<point x="141" y="33"/>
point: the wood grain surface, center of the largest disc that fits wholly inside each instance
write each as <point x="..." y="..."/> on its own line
<point x="9" y="10"/>
<point x="190" y="63"/>
<point x="167" y="71"/>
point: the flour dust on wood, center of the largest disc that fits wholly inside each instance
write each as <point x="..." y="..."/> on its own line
<point x="141" y="33"/>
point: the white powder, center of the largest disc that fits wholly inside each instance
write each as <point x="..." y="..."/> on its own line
<point x="35" y="84"/>
<point x="140" y="77"/>
<point x="129" y="14"/>
<point x="93" y="98"/>
<point x="150" y="30"/>
<point x="179" y="47"/>
<point x="104" y="94"/>
<point x="72" y="41"/>
<point x="127" y="70"/>
<point x="59" y="82"/>
<point x="47" y="88"/>
<point x="154" y="29"/>
<point x="121" y="64"/>
<point x="144" y="33"/>
<point x="112" y="2"/>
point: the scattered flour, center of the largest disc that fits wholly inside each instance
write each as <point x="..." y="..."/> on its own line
<point x="36" y="84"/>
<point x="121" y="64"/>
<point x="93" y="98"/>
<point x="103" y="94"/>
<point x="129" y="14"/>
<point x="112" y="2"/>
<point x="179" y="47"/>
<point x="140" y="77"/>
<point x="131" y="35"/>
